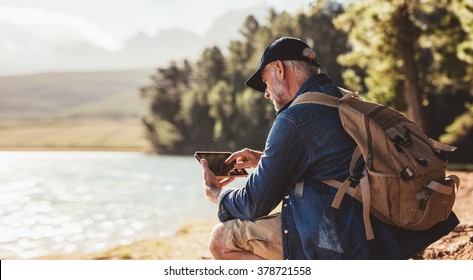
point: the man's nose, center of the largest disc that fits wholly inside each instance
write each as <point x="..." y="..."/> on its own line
<point x="266" y="93"/>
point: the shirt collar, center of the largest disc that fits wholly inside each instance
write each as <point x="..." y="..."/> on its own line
<point x="306" y="86"/>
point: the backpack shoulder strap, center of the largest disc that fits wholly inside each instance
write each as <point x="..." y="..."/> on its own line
<point x="316" y="98"/>
<point x="324" y="99"/>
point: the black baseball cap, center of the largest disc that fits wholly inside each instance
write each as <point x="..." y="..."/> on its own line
<point x="284" y="48"/>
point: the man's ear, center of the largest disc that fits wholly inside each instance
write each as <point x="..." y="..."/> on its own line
<point x="280" y="69"/>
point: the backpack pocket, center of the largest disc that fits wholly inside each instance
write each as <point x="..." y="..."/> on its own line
<point x="383" y="188"/>
<point x="433" y="207"/>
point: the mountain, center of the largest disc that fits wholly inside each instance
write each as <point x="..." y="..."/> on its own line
<point x="227" y="27"/>
<point x="171" y="44"/>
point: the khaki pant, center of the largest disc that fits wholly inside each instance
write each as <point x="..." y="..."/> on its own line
<point x="261" y="236"/>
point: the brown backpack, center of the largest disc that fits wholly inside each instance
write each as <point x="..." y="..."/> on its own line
<point x="403" y="182"/>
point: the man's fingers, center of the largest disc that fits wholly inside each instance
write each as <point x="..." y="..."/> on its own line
<point x="240" y="165"/>
<point x="204" y="163"/>
<point x="236" y="155"/>
<point x="226" y="181"/>
<point x="207" y="174"/>
<point x="230" y="158"/>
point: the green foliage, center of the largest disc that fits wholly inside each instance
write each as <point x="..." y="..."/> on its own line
<point x="464" y="11"/>
<point x="403" y="51"/>
<point x="374" y="62"/>
<point x="460" y="128"/>
<point x="398" y="53"/>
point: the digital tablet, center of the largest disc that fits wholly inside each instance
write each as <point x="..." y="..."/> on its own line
<point x="216" y="161"/>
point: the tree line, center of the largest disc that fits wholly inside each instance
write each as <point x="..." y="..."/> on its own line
<point x="416" y="56"/>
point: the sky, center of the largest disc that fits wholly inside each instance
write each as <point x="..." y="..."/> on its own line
<point x="37" y="28"/>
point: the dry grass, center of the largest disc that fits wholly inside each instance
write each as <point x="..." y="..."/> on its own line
<point x="80" y="134"/>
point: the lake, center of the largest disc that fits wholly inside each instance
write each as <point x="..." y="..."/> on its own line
<point x="84" y="202"/>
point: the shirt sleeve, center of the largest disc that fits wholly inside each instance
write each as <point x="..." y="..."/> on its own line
<point x="285" y="159"/>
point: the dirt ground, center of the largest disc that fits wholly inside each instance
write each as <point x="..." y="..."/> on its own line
<point x="458" y="244"/>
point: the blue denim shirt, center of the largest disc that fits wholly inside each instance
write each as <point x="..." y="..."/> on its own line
<point x="307" y="142"/>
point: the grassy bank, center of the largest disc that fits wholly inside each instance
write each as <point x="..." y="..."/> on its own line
<point x="73" y="134"/>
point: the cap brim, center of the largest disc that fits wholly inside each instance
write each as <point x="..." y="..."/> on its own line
<point x="256" y="81"/>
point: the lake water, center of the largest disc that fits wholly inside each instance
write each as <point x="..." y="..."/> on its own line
<point x="83" y="202"/>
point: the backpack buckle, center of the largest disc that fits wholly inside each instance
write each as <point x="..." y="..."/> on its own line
<point x="355" y="179"/>
<point x="403" y="140"/>
<point x="406" y="174"/>
<point x="399" y="139"/>
<point x="422" y="161"/>
<point x="441" y="155"/>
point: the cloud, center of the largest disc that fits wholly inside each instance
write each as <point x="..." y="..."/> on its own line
<point x="25" y="28"/>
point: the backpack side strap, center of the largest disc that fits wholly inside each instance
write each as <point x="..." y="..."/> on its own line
<point x="441" y="146"/>
<point x="337" y="184"/>
<point x="365" y="197"/>
<point x="449" y="189"/>
<point x="344" y="187"/>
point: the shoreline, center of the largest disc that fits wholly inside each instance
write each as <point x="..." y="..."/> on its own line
<point x="72" y="149"/>
<point x="189" y="242"/>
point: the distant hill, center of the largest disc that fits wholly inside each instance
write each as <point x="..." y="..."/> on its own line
<point x="143" y="51"/>
<point x="73" y="94"/>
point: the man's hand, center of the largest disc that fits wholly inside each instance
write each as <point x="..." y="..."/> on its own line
<point x="212" y="185"/>
<point x="245" y="158"/>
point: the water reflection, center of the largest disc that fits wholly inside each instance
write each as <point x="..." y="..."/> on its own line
<point x="66" y="202"/>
